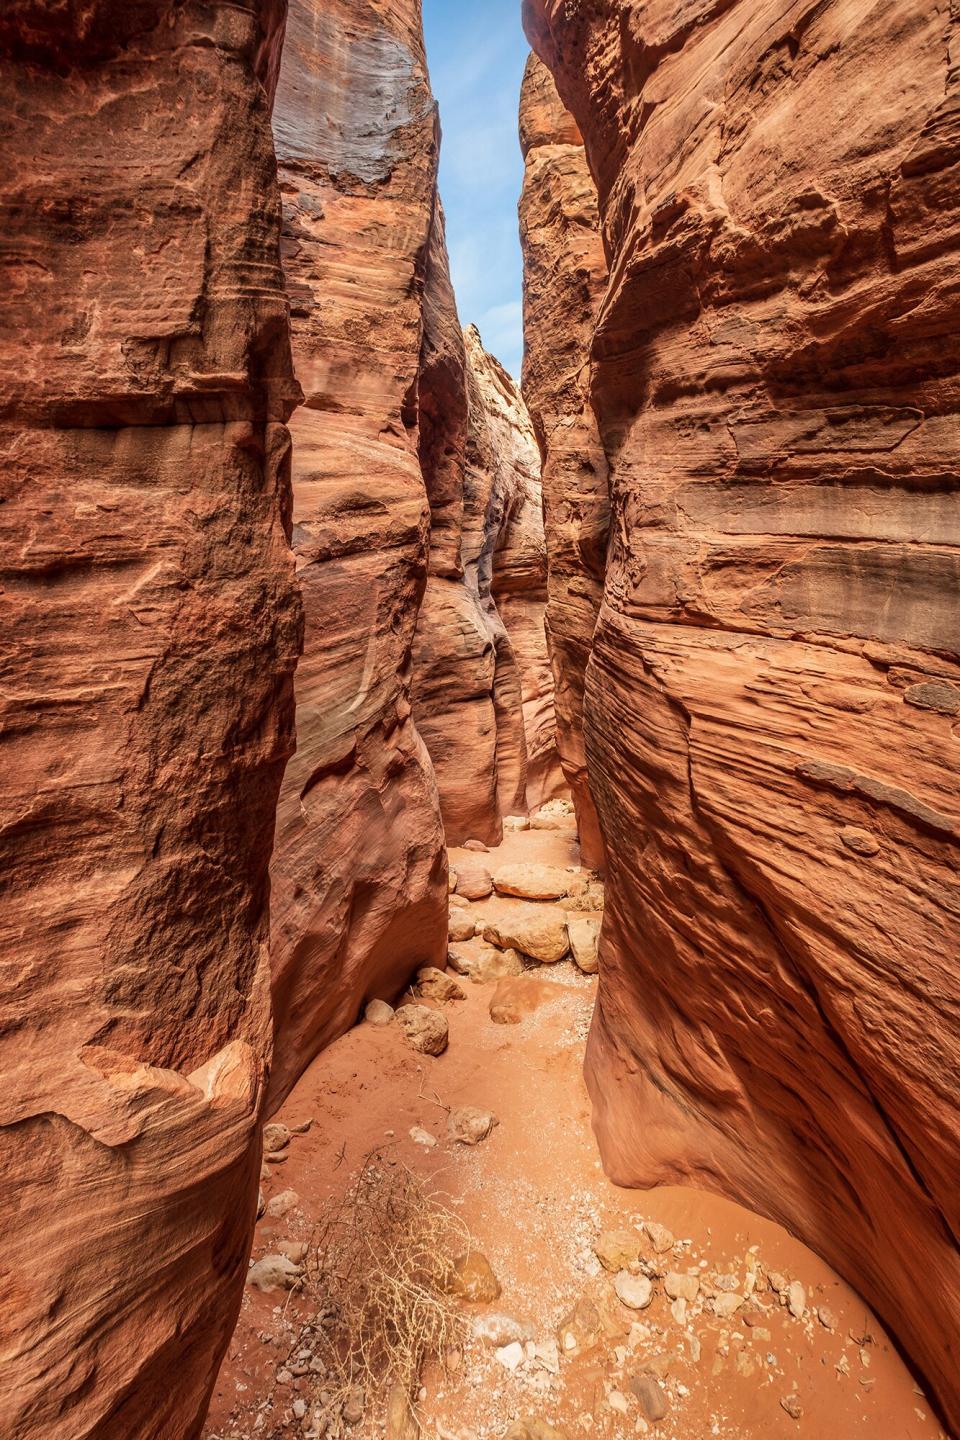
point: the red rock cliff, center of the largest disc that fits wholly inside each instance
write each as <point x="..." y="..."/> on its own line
<point x="565" y="276"/>
<point x="773" y="692"/>
<point x="359" y="877"/>
<point x="150" y="630"/>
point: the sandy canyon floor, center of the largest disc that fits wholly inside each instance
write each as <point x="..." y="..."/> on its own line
<point x="811" y="1361"/>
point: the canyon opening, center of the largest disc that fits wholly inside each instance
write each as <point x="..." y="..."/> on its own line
<point x="480" y="803"/>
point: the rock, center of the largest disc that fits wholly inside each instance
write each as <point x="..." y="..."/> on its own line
<point x="483" y="963"/>
<point x="378" y="1012"/>
<point x="796" y="1299"/>
<point x="547" y="1355"/>
<point x="474" y="1279"/>
<point x="359" y="873"/>
<point x="651" y="1397"/>
<point x="353" y="1409"/>
<point x="460" y="925"/>
<point x="681" y="1287"/>
<point x="728" y="1304"/>
<point x="475" y="882"/>
<point x="515" y="998"/>
<point x="151" y="628"/>
<point x="791" y="1403"/>
<point x="282" y="1204"/>
<point x="402" y="1423"/>
<point x="636" y="1291"/>
<point x="580" y="1329"/>
<point x="618" y="1249"/>
<point x="510" y="1356"/>
<point x="777" y="606"/>
<point x="660" y="1237"/>
<point x="452" y="880"/>
<point x="436" y="985"/>
<point x="540" y="934"/>
<point x="274" y="1272"/>
<point x="419" y="1136"/>
<point x="531" y="882"/>
<point x="424" y="1030"/>
<point x="532" y="1428"/>
<point x="468" y="1126"/>
<point x="476" y="845"/>
<point x="295" y="1250"/>
<point x="459" y="902"/>
<point x="827" y="1317"/>
<point x="496" y="1330"/>
<point x="275" y="1137"/>
<point x="516" y="822"/>
<point x="584" y="935"/>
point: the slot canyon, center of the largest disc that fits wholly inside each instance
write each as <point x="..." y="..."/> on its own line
<point x="525" y="805"/>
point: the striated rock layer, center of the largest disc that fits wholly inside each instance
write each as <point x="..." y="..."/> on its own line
<point x="150" y="630"/>
<point x="565" y="276"/>
<point x="359" y="877"/>
<point x="483" y="693"/>
<point x="773" y="697"/>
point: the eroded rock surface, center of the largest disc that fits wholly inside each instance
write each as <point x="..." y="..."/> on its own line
<point x="773" y="367"/>
<point x="482" y="692"/>
<point x="150" y="627"/>
<point x="359" y="877"/>
<point x="565" y="276"/>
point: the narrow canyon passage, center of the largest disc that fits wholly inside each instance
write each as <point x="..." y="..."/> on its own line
<point x="579" y="1320"/>
<point x="479" y="715"/>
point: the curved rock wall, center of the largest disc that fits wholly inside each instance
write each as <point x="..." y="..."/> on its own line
<point x="150" y="627"/>
<point x="483" y="693"/>
<point x="565" y="276"/>
<point x="773" y="693"/>
<point x="359" y="876"/>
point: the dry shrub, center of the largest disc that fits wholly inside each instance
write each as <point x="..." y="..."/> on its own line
<point x="378" y="1276"/>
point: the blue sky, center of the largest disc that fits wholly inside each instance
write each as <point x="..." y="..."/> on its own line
<point x="476" y="51"/>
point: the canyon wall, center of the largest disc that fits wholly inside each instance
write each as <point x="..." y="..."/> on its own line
<point x="360" y="873"/>
<point x="483" y="692"/>
<point x="565" y="277"/>
<point x="151" y="627"/>
<point x="773" y="691"/>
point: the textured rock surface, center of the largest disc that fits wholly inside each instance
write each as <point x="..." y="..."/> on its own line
<point x="150" y="630"/>
<point x="359" y="877"/>
<point x="565" y="277"/>
<point x="483" y="693"/>
<point x="773" y="376"/>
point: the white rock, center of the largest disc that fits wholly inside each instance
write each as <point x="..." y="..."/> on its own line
<point x="378" y="1012"/>
<point x="419" y="1136"/>
<point x="796" y="1299"/>
<point x="636" y="1291"/>
<point x="510" y="1356"/>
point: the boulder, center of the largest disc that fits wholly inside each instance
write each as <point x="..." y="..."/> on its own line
<point x="434" y="984"/>
<point x="424" y="1030"/>
<point x="541" y="934"/>
<point x="378" y="1012"/>
<point x="460" y="925"/>
<point x="531" y="882"/>
<point x="584" y="934"/>
<point x="274" y="1272"/>
<point x="474" y="881"/>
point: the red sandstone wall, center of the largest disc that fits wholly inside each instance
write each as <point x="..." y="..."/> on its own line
<point x="774" y="690"/>
<point x="565" y="277"/>
<point x="359" y="877"/>
<point x="150" y="628"/>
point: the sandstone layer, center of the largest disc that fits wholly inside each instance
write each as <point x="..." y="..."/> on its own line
<point x="360" y="873"/>
<point x="151" y="628"/>
<point x="565" y="277"/>
<point x="483" y="692"/>
<point x="773" y="693"/>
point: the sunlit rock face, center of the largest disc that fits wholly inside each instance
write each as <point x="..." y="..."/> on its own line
<point x="483" y="693"/>
<point x="359" y="878"/>
<point x="773" y="696"/>
<point x="151" y="626"/>
<point x="565" y="277"/>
